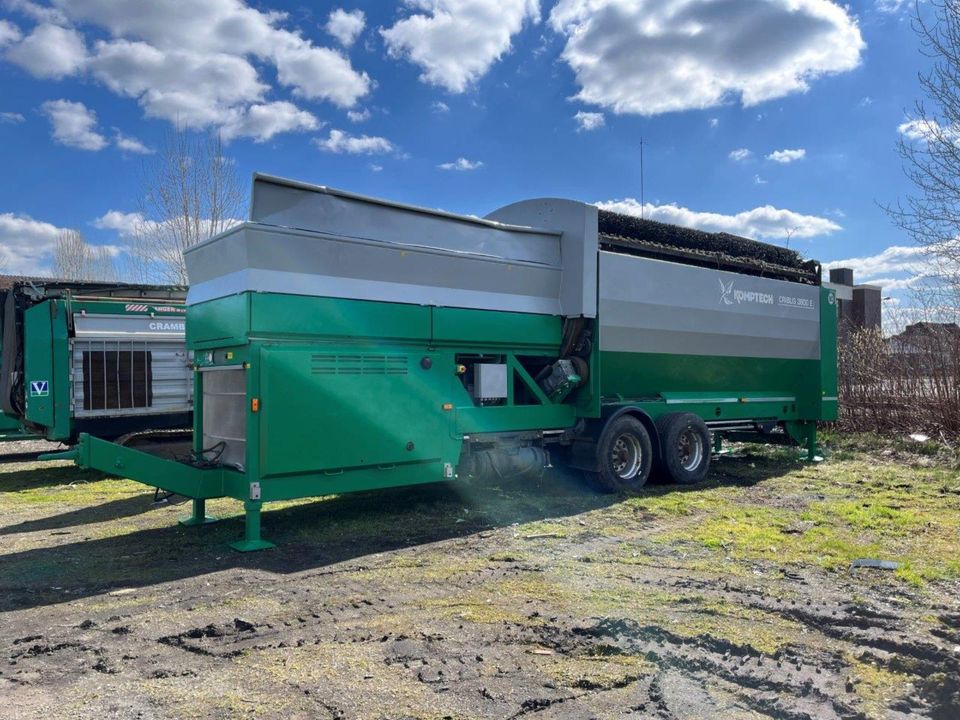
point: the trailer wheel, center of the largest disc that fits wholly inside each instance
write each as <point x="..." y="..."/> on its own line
<point x="684" y="447"/>
<point x="624" y="456"/>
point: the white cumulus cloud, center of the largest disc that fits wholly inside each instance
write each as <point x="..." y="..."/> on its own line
<point x="50" y="51"/>
<point x="924" y="131"/>
<point x="346" y="26"/>
<point x="126" y="224"/>
<point x="262" y="122"/>
<point x="9" y="33"/>
<point x="11" y="118"/>
<point x="192" y="88"/>
<point x="461" y="164"/>
<point x="358" y="116"/>
<point x="892" y="7"/>
<point x="894" y="260"/>
<point x="131" y="144"/>
<point x="764" y="223"/>
<point x="589" y="120"/>
<point x="199" y="68"/>
<point x="655" y="56"/>
<point x="740" y="154"/>
<point x="344" y="143"/>
<point x="784" y="157"/>
<point x="74" y="125"/>
<point x="40" y="13"/>
<point x="456" y="41"/>
<point x="319" y="73"/>
<point x="26" y="244"/>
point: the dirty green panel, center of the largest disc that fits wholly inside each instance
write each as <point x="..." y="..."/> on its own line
<point x="220" y="322"/>
<point x="11" y="429"/>
<point x="8" y="423"/>
<point x="508" y="419"/>
<point x="828" y="354"/>
<point x="274" y="315"/>
<point x="46" y="368"/>
<point x="359" y="479"/>
<point x="328" y="408"/>
<point x="637" y="375"/>
<point x="719" y="410"/>
<point x="482" y="327"/>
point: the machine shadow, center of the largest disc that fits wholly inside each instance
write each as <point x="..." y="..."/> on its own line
<point x="114" y="509"/>
<point x="47" y="477"/>
<point x="321" y="533"/>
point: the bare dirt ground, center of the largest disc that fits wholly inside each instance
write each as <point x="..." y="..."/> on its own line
<point x="731" y="599"/>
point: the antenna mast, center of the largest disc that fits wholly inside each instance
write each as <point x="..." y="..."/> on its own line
<point x="642" y="202"/>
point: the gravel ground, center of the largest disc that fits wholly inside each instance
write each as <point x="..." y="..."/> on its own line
<point x="731" y="599"/>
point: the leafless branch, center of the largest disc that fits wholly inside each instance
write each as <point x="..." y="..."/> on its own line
<point x="191" y="191"/>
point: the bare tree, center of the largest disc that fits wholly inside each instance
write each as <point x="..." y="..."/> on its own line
<point x="76" y="259"/>
<point x="929" y="146"/>
<point x="191" y="191"/>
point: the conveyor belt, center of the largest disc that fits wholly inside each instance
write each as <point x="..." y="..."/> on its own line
<point x="647" y="238"/>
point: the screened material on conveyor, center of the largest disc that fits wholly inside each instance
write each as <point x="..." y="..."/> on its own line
<point x="648" y="238"/>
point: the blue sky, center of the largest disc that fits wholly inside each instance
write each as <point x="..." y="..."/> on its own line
<point x="764" y="117"/>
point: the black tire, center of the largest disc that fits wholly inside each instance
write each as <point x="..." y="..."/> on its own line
<point x="624" y="456"/>
<point x="684" y="447"/>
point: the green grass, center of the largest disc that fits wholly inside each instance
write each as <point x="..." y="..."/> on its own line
<point x="847" y="509"/>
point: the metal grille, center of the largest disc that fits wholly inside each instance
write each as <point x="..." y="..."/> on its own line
<point x="115" y="379"/>
<point x="335" y="364"/>
<point x="225" y="414"/>
<point x="120" y="376"/>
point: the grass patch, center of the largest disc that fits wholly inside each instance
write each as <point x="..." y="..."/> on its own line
<point x="844" y="510"/>
<point x="876" y="686"/>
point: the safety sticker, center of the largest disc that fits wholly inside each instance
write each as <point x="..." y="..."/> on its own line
<point x="39" y="388"/>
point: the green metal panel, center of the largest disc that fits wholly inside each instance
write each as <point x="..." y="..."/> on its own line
<point x="330" y="408"/>
<point x="515" y="331"/>
<point x="356" y="480"/>
<point x="294" y="316"/>
<point x="217" y="323"/>
<point x="717" y="408"/>
<point x="496" y="419"/>
<point x="638" y="375"/>
<point x="828" y="354"/>
<point x="12" y="429"/>
<point x="46" y="363"/>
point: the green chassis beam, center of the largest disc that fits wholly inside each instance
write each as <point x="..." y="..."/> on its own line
<point x="175" y="477"/>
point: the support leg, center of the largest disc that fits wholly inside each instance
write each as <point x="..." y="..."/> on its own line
<point x="804" y="433"/>
<point x="199" y="515"/>
<point x="813" y="451"/>
<point x="251" y="536"/>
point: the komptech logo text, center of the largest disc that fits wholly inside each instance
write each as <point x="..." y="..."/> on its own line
<point x="730" y="295"/>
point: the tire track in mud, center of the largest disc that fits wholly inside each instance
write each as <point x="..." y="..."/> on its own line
<point x="490" y="669"/>
<point x="792" y="686"/>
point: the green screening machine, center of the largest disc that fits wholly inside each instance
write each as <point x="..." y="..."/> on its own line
<point x="343" y="343"/>
<point x="108" y="359"/>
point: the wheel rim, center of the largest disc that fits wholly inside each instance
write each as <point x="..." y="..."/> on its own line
<point x="626" y="456"/>
<point x="690" y="449"/>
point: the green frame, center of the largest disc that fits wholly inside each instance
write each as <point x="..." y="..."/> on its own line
<point x="309" y="433"/>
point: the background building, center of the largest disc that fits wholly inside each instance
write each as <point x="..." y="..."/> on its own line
<point x="858" y="306"/>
